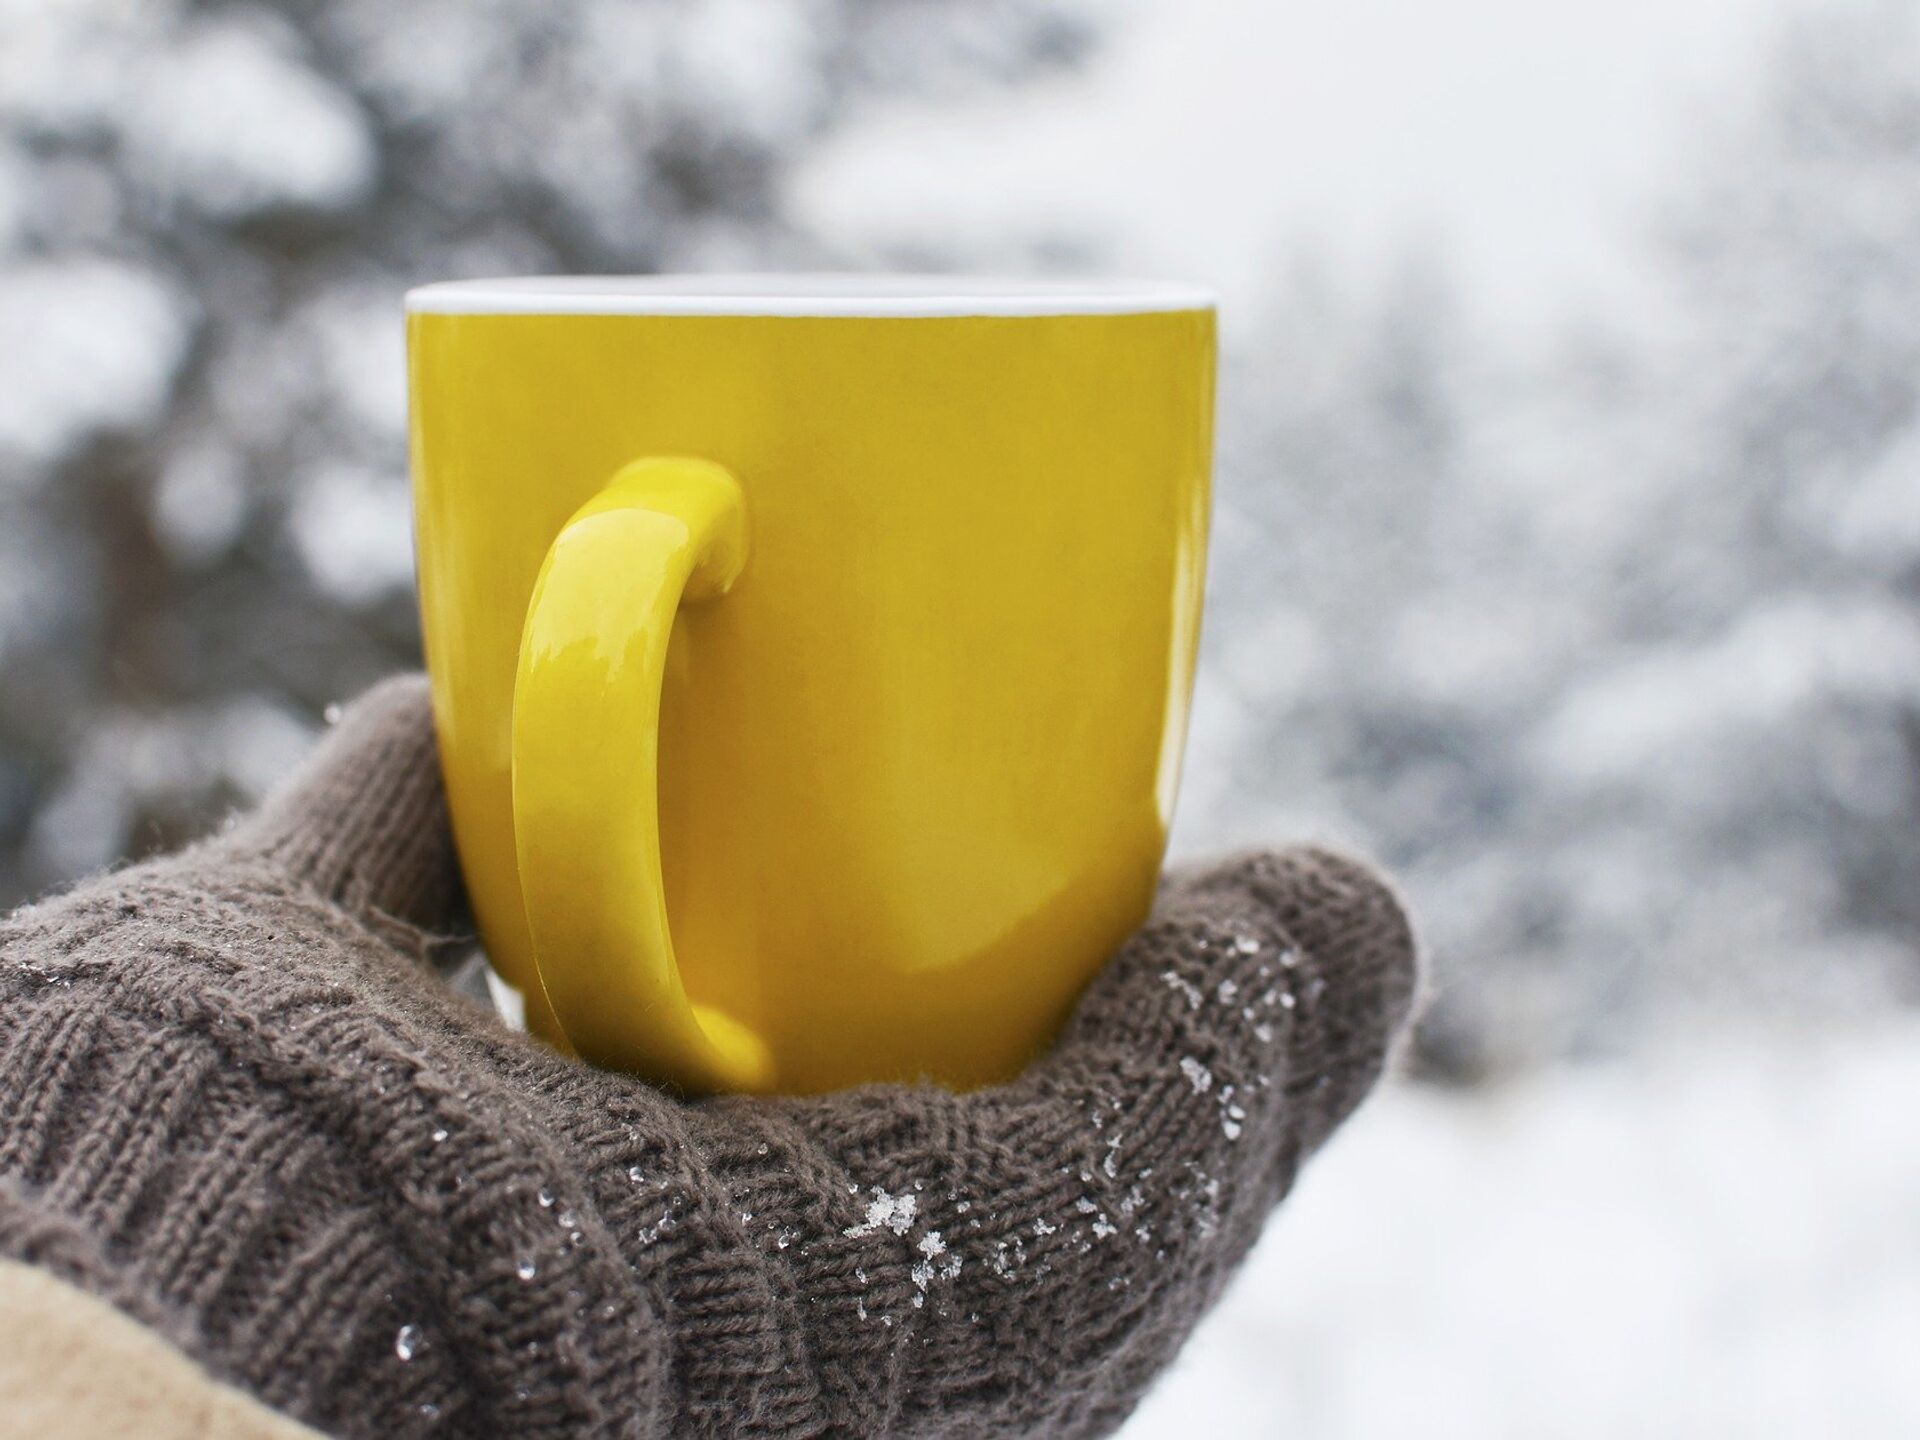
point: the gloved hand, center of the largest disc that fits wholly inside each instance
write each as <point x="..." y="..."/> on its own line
<point x="236" y="1103"/>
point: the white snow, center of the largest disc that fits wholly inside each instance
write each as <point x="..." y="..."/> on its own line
<point x="1718" y="1239"/>
<point x="886" y="1212"/>
<point x="199" y="502"/>
<point x="1679" y="702"/>
<point x="1197" y="1074"/>
<point x="753" y="61"/>
<point x="260" y="742"/>
<point x="1182" y="987"/>
<point x="353" y="528"/>
<point x="105" y="338"/>
<point x="129" y="759"/>
<point x="360" y="342"/>
<point x="1879" y="516"/>
<point x="66" y="75"/>
<point x="226" y="119"/>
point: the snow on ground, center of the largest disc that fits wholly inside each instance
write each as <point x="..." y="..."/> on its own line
<point x="1719" y="1240"/>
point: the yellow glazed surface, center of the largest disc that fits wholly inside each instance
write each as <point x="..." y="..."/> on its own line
<point x="892" y="628"/>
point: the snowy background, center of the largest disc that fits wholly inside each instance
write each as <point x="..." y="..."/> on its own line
<point x="1567" y="554"/>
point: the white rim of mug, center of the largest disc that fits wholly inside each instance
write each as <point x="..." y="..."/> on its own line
<point x="850" y="295"/>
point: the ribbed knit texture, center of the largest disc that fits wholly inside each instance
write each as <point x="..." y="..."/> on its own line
<point x="236" y="1103"/>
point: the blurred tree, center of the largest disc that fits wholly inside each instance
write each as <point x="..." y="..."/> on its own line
<point x="208" y="212"/>
<point x="1613" y="650"/>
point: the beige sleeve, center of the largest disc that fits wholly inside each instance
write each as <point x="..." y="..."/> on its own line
<point x="74" y="1368"/>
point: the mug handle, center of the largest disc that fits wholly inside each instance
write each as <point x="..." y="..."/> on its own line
<point x="586" y="740"/>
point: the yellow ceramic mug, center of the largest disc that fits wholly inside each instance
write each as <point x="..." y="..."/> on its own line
<point x="810" y="656"/>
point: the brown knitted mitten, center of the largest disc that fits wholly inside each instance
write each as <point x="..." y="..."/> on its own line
<point x="235" y="1103"/>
